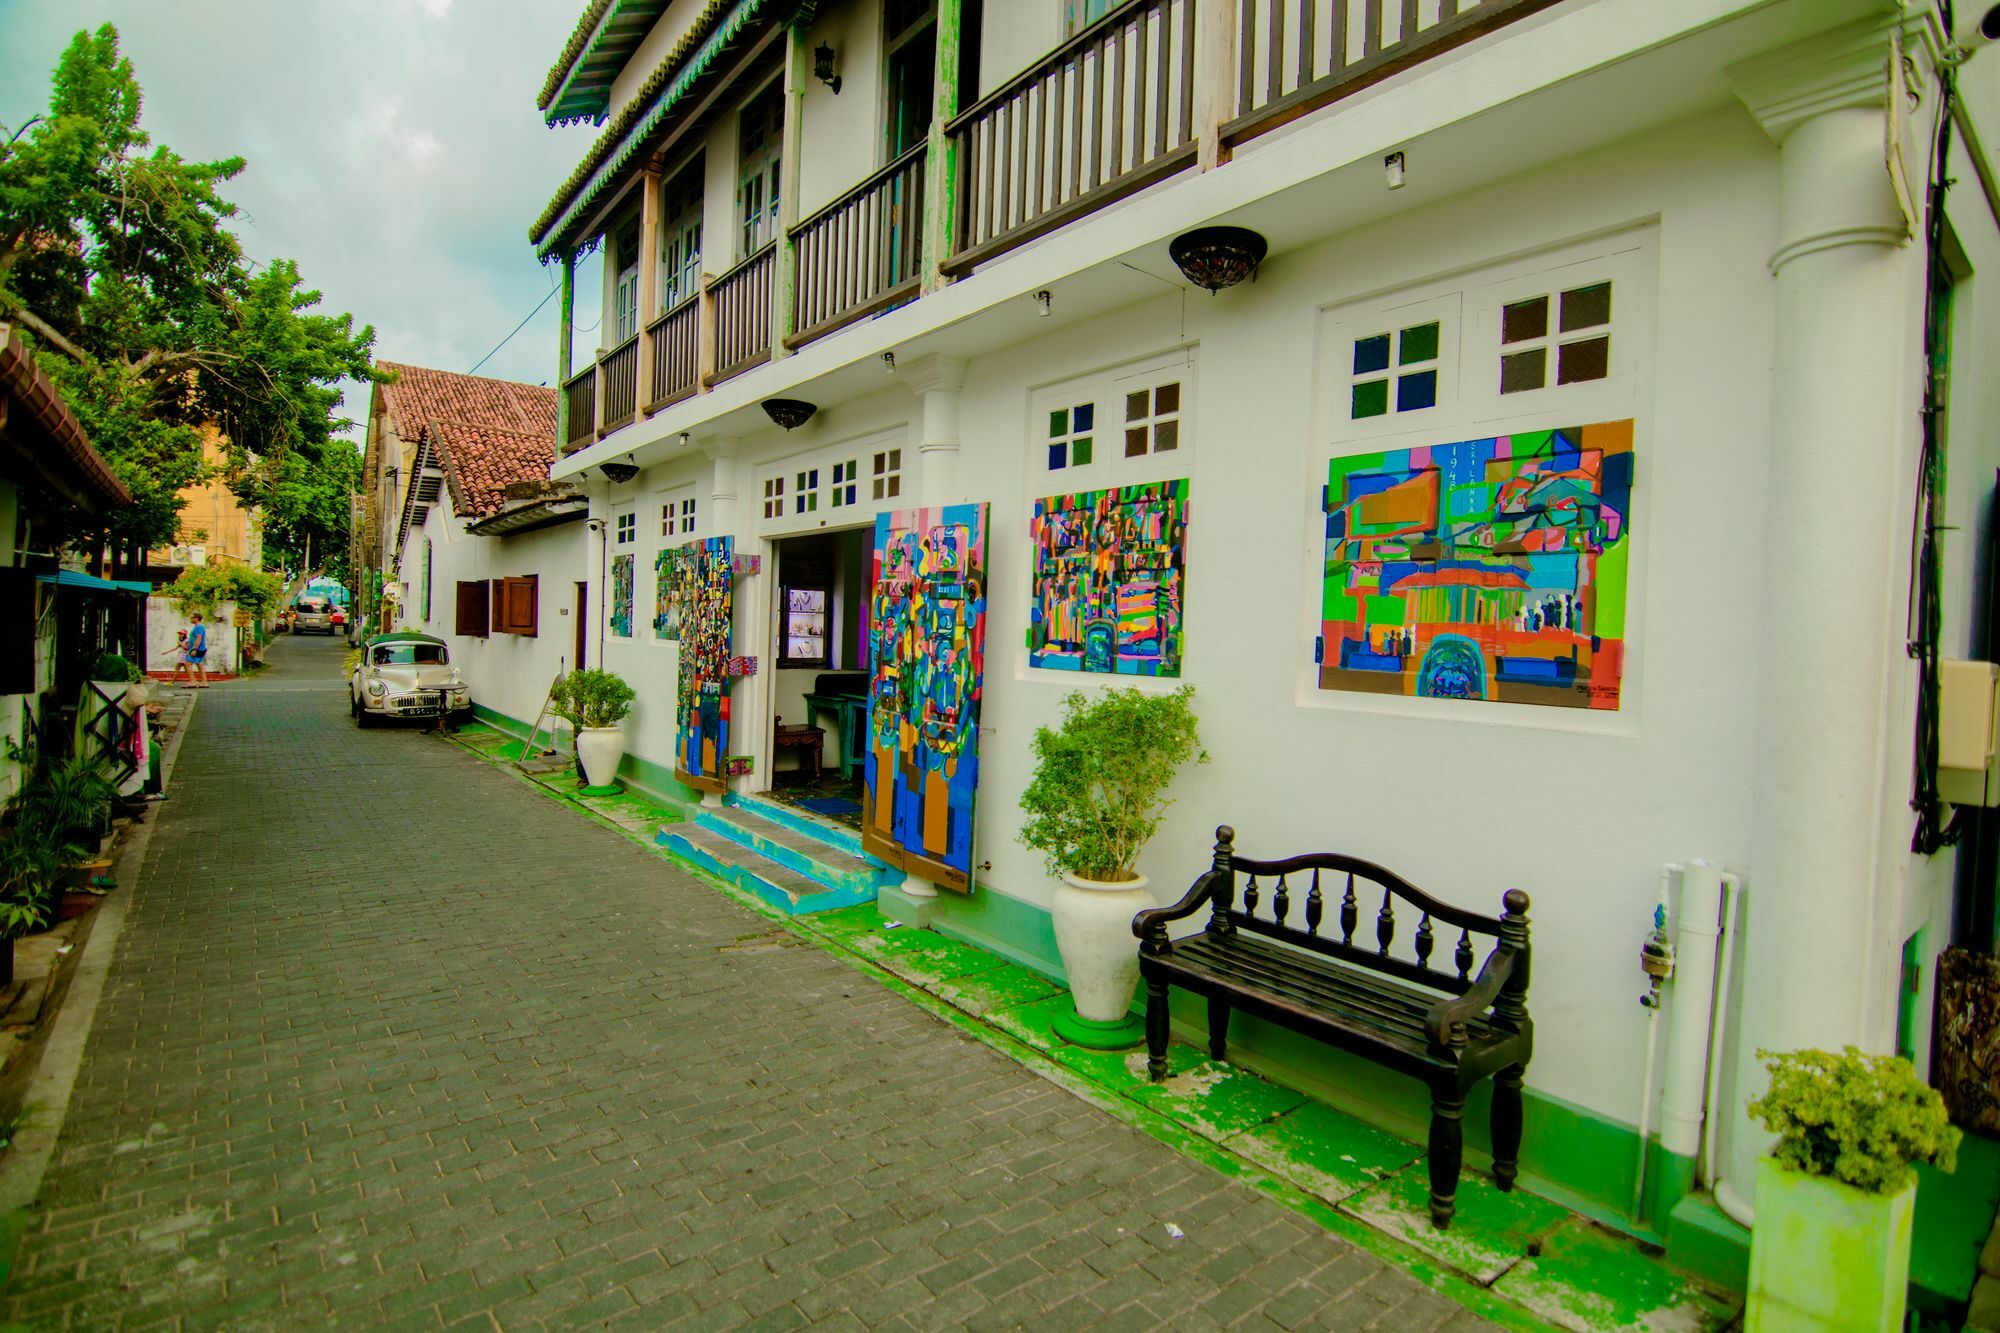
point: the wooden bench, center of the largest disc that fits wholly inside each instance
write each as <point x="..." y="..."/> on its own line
<point x="1268" y="956"/>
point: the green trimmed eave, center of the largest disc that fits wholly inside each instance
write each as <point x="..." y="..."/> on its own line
<point x="579" y="85"/>
<point x="675" y="85"/>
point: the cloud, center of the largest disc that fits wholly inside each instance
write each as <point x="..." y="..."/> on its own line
<point x="393" y="146"/>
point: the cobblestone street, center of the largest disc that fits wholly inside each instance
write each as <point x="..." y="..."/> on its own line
<point x="391" y="1039"/>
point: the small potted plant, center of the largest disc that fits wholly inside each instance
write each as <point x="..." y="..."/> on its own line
<point x="1094" y="802"/>
<point x="1836" y="1198"/>
<point x="31" y="873"/>
<point x="594" y="703"/>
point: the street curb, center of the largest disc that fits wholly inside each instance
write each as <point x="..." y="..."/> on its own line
<point x="46" y="1102"/>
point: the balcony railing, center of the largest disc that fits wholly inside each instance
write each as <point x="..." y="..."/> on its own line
<point x="676" y="343"/>
<point x="580" y="402"/>
<point x="1105" y="114"/>
<point x="619" y="370"/>
<point x="1298" y="55"/>
<point x="862" y="252"/>
<point x="742" y="299"/>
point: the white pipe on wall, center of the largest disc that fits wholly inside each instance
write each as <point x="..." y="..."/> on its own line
<point x="1652" y="1003"/>
<point x="1683" y="1091"/>
<point x="1719" y="1020"/>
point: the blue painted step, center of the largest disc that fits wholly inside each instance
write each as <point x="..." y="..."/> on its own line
<point x="829" y="832"/>
<point x="784" y="864"/>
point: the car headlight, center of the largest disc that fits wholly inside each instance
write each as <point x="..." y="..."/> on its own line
<point x="376" y="689"/>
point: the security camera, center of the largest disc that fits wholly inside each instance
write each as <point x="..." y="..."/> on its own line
<point x="594" y="524"/>
<point x="1975" y="26"/>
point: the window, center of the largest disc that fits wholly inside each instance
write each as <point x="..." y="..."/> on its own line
<point x="911" y="44"/>
<point x="472" y="609"/>
<point x="514" y="606"/>
<point x="845" y="488"/>
<point x="687" y="515"/>
<point x="410" y="654"/>
<point x="804" y="633"/>
<point x="1581" y="338"/>
<point x="888" y="475"/>
<point x="805" y="492"/>
<point x="680" y="237"/>
<point x="1080" y="14"/>
<point x="427" y="581"/>
<point x="1401" y="366"/>
<point x="628" y="527"/>
<point x="774" y="497"/>
<point x="1070" y="436"/>
<point x="761" y="137"/>
<point x="625" y="287"/>
<point x="667" y="519"/>
<point x="1153" y="420"/>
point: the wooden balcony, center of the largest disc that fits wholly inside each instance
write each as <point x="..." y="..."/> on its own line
<point x="580" y="403"/>
<point x="741" y="299"/>
<point x="618" y="375"/>
<point x="861" y="253"/>
<point x="676" y="343"/>
<point x="1105" y="114"/>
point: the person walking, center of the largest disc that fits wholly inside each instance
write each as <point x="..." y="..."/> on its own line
<point x="194" y="655"/>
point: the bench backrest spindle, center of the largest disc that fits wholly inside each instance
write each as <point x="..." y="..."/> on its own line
<point x="1425" y="938"/>
<point x="1314" y="906"/>
<point x="1350" y="912"/>
<point x="1281" y="902"/>
<point x="1385" y="923"/>
<point x="1463" y="955"/>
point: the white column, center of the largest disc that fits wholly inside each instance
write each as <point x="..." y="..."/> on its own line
<point x="724" y="469"/>
<point x="938" y="381"/>
<point x="1830" y="754"/>
<point x="594" y="541"/>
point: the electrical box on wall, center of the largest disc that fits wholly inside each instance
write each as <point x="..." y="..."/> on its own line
<point x="1968" y="732"/>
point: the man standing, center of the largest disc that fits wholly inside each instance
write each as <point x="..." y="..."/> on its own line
<point x="194" y="655"/>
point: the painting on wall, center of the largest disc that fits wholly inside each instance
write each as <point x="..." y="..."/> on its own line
<point x="1110" y="579"/>
<point x="666" y="600"/>
<point x="703" y="575"/>
<point x="622" y="574"/>
<point x="927" y="642"/>
<point x="1481" y="569"/>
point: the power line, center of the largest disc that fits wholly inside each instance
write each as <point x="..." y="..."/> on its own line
<point x="517" y="328"/>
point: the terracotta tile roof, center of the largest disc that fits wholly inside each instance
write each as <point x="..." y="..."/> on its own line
<point x="488" y="432"/>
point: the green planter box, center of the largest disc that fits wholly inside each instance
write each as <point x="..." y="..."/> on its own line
<point x="1827" y="1256"/>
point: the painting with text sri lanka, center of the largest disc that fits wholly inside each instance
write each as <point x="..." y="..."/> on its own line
<point x="1485" y="569"/>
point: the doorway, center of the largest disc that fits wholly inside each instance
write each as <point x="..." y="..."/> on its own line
<point x="819" y="684"/>
<point x="582" y="625"/>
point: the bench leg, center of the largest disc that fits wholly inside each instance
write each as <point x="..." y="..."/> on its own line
<point x="1446" y="1152"/>
<point x="1156" y="1029"/>
<point x="1218" y="1029"/>
<point x="1507" y="1126"/>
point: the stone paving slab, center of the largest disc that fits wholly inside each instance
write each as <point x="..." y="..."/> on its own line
<point x="392" y="1039"/>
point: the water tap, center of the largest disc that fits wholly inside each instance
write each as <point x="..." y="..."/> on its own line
<point x="1656" y="957"/>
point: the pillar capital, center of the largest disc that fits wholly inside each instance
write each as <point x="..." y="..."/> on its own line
<point x="1848" y="67"/>
<point x="720" y="447"/>
<point x="933" y="372"/>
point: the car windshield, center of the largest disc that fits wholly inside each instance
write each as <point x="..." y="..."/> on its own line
<point x="410" y="654"/>
<point x="312" y="608"/>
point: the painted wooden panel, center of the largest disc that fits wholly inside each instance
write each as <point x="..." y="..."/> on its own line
<point x="703" y="579"/>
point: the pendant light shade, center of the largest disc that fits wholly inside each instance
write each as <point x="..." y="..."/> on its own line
<point x="790" y="413"/>
<point x="1216" y="257"/>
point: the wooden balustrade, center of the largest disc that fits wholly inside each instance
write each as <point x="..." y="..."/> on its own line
<point x="1296" y="56"/>
<point x="1107" y="113"/>
<point x="742" y="300"/>
<point x="676" y="342"/>
<point x="580" y="400"/>
<point x="862" y="252"/>
<point x="619" y="371"/>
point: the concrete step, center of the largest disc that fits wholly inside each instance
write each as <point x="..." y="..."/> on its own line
<point x="820" y="829"/>
<point x="802" y="849"/>
<point x="783" y="887"/>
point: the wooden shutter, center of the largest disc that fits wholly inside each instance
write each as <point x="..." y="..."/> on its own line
<point x="472" y="609"/>
<point x="514" y="605"/>
<point x="17" y="631"/>
<point x="497" y="624"/>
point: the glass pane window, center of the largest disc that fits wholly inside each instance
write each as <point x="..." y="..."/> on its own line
<point x="1153" y="420"/>
<point x="774" y="497"/>
<point x="667" y="519"/>
<point x="1571" y="329"/>
<point x="846" y="490"/>
<point x="1395" y="371"/>
<point x="762" y="135"/>
<point x="687" y="515"/>
<point x="805" y="492"/>
<point x="1072" y="436"/>
<point x="680" y="239"/>
<point x="628" y="527"/>
<point x="887" y="478"/>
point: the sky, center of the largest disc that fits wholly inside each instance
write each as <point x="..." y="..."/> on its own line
<point x="393" y="148"/>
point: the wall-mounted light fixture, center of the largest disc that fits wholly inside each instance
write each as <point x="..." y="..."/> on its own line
<point x="686" y="439"/>
<point x="1216" y="257"/>
<point x="823" y="68"/>
<point x="790" y="413"/>
<point x="889" y="362"/>
<point x="619" y="472"/>
<point x="1392" y="170"/>
<point x="1042" y="300"/>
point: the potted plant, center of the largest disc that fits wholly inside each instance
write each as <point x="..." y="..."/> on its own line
<point x="31" y="872"/>
<point x="594" y="703"/>
<point x="1093" y="803"/>
<point x="1836" y="1197"/>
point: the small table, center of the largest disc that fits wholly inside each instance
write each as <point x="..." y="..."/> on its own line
<point x="806" y="740"/>
<point x="852" y="709"/>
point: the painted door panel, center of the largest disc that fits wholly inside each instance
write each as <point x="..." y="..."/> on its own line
<point x="927" y="643"/>
<point x="703" y="581"/>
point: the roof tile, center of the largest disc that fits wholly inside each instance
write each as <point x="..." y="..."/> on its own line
<point x="489" y="432"/>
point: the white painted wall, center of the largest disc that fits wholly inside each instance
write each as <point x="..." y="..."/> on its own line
<point x="165" y="621"/>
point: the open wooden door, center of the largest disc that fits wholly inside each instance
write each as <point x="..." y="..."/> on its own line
<point x="927" y="648"/>
<point x="703" y="583"/>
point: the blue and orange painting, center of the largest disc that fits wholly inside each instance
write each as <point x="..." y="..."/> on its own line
<point x="1110" y="580"/>
<point x="1482" y="569"/>
<point x="703" y="579"/>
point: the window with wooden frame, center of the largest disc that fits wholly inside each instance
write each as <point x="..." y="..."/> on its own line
<point x="1152" y="419"/>
<point x="427" y="581"/>
<point x="760" y="141"/>
<point x="774" y="497"/>
<point x="473" y="610"/>
<point x="625" y="286"/>
<point x="1571" y="328"/>
<point x="1080" y="14"/>
<point x="807" y="627"/>
<point x="887" y="479"/>
<point x="515" y="603"/>
<point x="680" y="237"/>
<point x="910" y="45"/>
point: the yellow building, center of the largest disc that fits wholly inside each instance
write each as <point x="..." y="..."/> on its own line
<point x="214" y="523"/>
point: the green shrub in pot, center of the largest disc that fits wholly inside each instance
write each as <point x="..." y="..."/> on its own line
<point x="594" y="703"/>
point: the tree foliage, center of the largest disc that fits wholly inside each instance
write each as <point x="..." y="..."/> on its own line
<point x="204" y="587"/>
<point x="117" y="257"/>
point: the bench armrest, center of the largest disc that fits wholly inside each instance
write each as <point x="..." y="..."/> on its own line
<point x="1151" y="925"/>
<point x="1445" y="1023"/>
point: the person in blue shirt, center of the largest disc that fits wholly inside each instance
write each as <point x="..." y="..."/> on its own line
<point x="194" y="655"/>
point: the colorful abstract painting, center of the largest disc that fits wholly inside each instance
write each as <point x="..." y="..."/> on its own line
<point x="666" y="600"/>
<point x="1110" y="579"/>
<point x="1484" y="569"/>
<point x="704" y="581"/>
<point x="622" y="574"/>
<point x="927" y="645"/>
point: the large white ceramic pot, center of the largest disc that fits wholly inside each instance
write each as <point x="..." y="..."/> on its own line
<point x="1094" y="934"/>
<point x="598" y="752"/>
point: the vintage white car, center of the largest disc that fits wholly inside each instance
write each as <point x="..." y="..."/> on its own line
<point x="405" y="675"/>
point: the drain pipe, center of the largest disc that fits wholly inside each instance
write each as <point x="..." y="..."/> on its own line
<point x="1733" y="1205"/>
<point x="1683" y="1096"/>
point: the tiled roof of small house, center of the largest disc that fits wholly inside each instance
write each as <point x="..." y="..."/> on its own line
<point x="488" y="432"/>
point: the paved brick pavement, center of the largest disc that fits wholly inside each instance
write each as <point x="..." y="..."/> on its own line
<point x="392" y="1040"/>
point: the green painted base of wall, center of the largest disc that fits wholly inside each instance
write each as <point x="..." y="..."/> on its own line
<point x="1707" y="1242"/>
<point x="641" y="775"/>
<point x="1018" y="931"/>
<point x="896" y="905"/>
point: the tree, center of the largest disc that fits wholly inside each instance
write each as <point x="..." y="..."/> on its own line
<point x="151" y="321"/>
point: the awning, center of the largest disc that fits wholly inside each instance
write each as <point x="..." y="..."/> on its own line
<point x="70" y="578"/>
<point x="532" y="516"/>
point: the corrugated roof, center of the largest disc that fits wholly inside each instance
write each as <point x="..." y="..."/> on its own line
<point x="487" y="432"/>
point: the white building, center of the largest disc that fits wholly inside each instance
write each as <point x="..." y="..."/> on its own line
<point x="1692" y="239"/>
